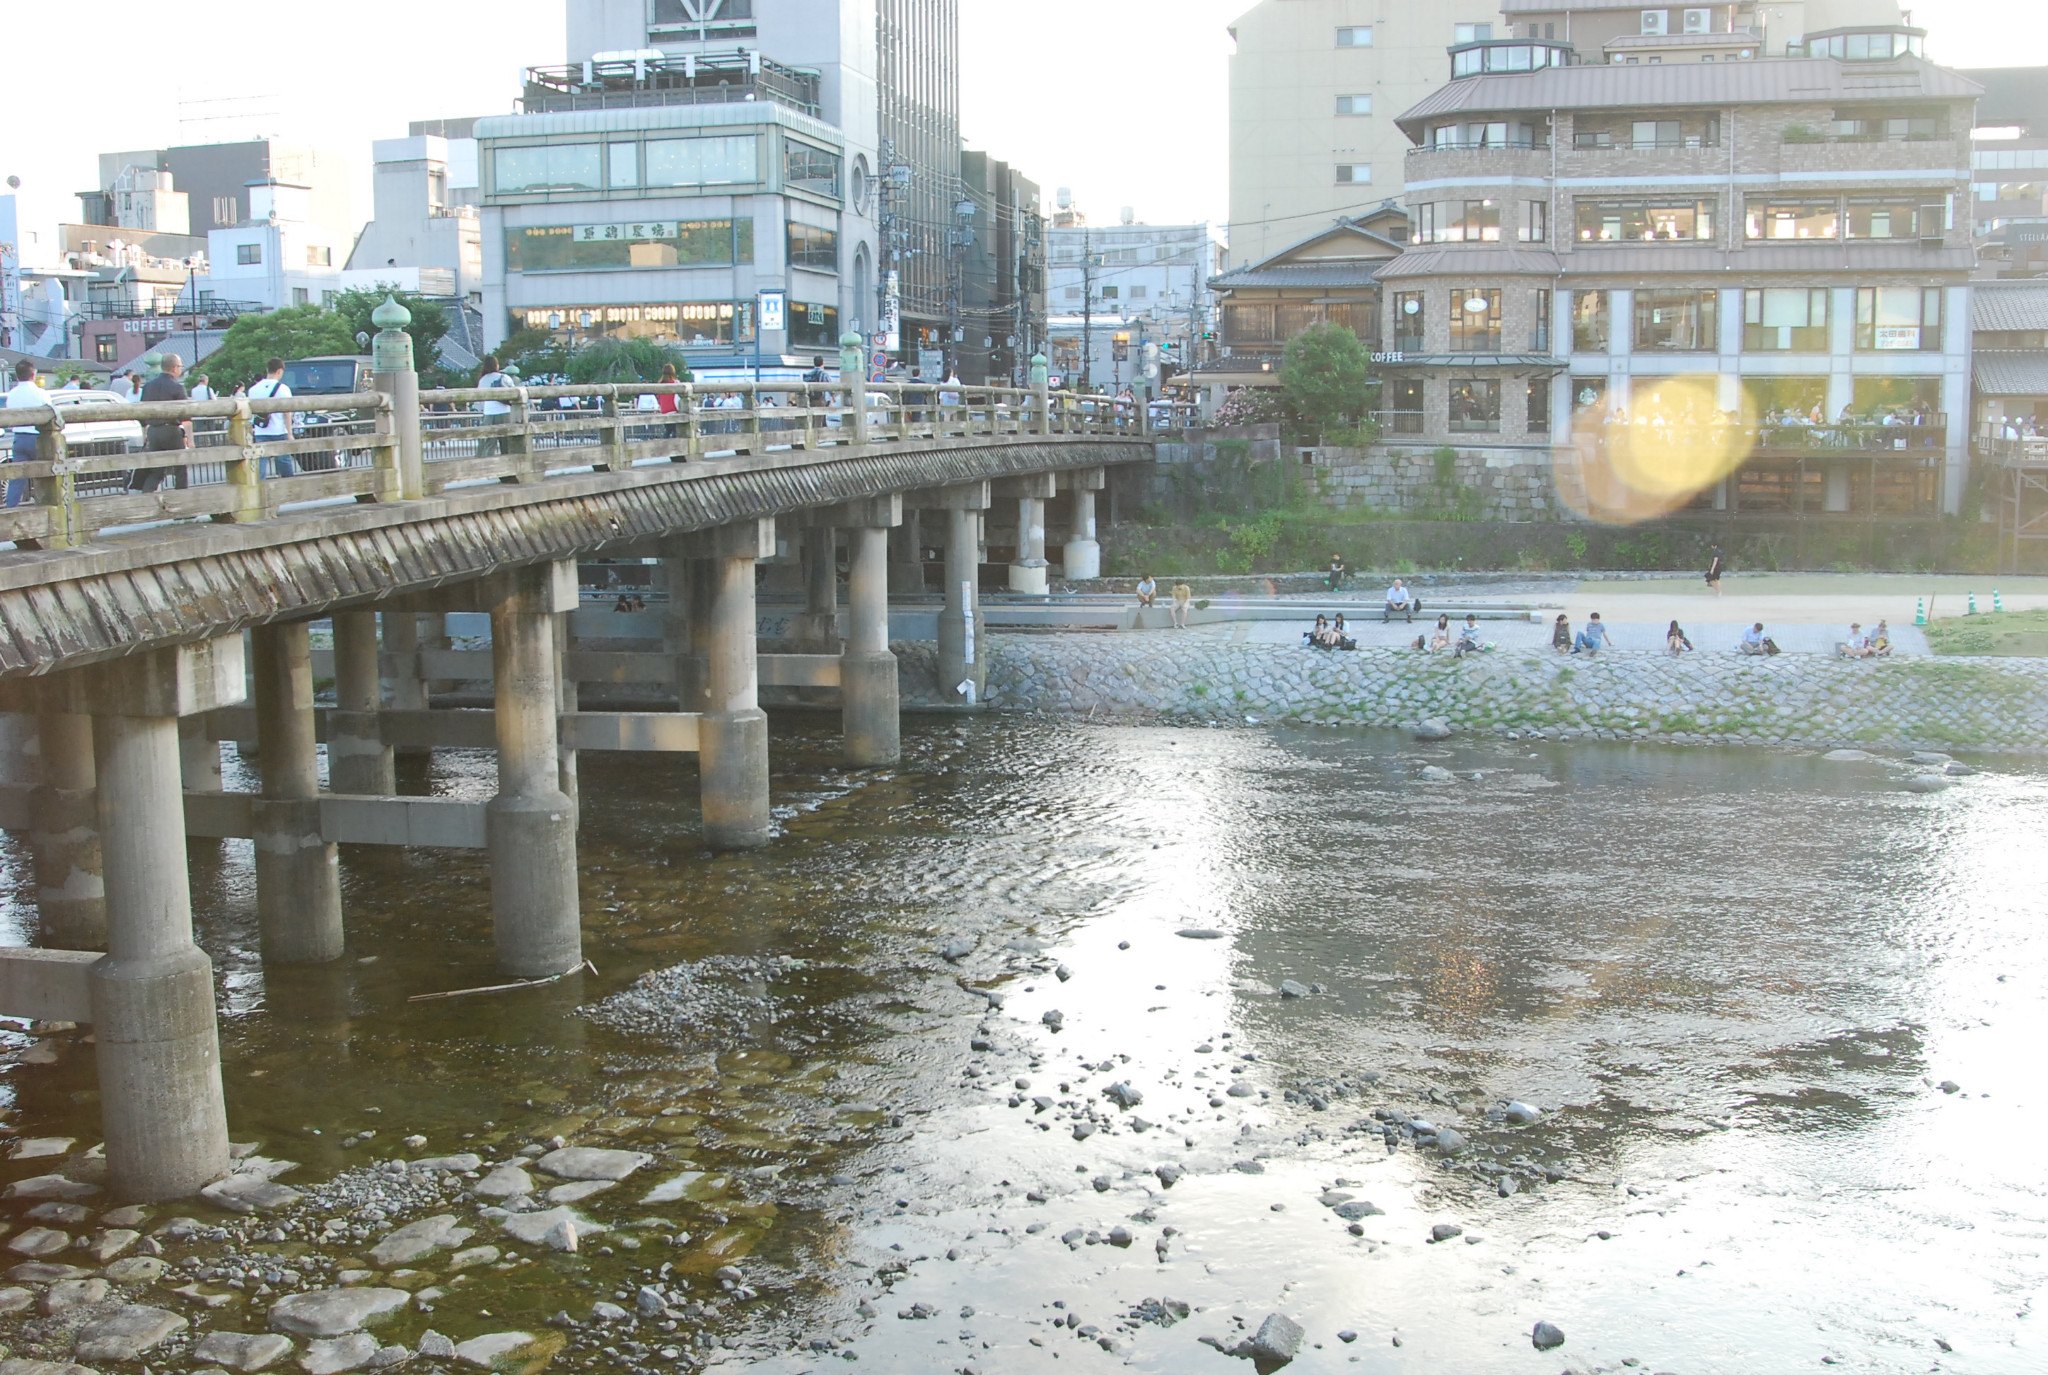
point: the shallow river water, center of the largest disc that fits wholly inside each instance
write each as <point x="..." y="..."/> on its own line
<point x="1734" y="983"/>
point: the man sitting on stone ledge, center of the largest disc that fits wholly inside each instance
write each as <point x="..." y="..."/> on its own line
<point x="1400" y="602"/>
<point x="1148" y="591"/>
<point x="1593" y="638"/>
<point x="1754" y="641"/>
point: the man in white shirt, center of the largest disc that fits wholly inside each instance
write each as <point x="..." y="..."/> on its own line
<point x="494" y="412"/>
<point x="269" y="429"/>
<point x="201" y="391"/>
<point x="24" y="395"/>
<point x="123" y="385"/>
<point x="1400" y="602"/>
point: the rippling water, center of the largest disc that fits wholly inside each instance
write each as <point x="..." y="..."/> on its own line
<point x="1732" y="980"/>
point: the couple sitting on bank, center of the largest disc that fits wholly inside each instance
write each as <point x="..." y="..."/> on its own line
<point x="1591" y="640"/>
<point x="1460" y="640"/>
<point x="1329" y="634"/>
<point x="1876" y="645"/>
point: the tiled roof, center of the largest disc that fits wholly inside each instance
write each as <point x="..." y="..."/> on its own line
<point x="1323" y="274"/>
<point x="1610" y="86"/>
<point x="2009" y="305"/>
<point x="1491" y="262"/>
<point x="2010" y="372"/>
<point x="1634" y="260"/>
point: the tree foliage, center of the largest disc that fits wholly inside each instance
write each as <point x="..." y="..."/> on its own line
<point x="294" y="332"/>
<point x="429" y="326"/>
<point x="1326" y="376"/>
<point x="625" y="360"/>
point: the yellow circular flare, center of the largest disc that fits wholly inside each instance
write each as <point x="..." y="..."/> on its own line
<point x="1642" y="462"/>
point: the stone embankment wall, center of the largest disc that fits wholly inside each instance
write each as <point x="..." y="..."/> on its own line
<point x="1991" y="704"/>
<point x="1480" y="484"/>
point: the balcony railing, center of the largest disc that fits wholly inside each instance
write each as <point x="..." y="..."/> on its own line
<point x="696" y="79"/>
<point x="1492" y="146"/>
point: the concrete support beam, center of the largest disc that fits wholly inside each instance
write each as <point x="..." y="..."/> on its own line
<point x="906" y="556"/>
<point x="871" y="723"/>
<point x="64" y="833"/>
<point x="532" y="822"/>
<point x="358" y="760"/>
<point x="1082" y="557"/>
<point x="198" y="758"/>
<point x="401" y="635"/>
<point x="732" y="737"/>
<point x="298" y="874"/>
<point x="684" y="622"/>
<point x="47" y="985"/>
<point x="161" y="1105"/>
<point x="426" y="822"/>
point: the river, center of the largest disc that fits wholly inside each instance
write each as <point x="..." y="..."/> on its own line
<point x="1734" y="983"/>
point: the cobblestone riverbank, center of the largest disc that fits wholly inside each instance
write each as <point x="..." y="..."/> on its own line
<point x="1987" y="704"/>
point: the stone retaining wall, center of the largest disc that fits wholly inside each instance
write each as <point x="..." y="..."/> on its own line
<point x="1481" y="483"/>
<point x="1989" y="704"/>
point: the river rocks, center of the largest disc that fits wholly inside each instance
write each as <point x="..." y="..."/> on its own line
<point x="1199" y="933"/>
<point x="332" y="1355"/>
<point x="418" y="1240"/>
<point x="249" y="1193"/>
<point x="1520" y="1114"/>
<point x="561" y="1228"/>
<point x="1432" y="728"/>
<point x="126" y="1333"/>
<point x="577" y="1192"/>
<point x="14" y="1299"/>
<point x="586" y="1162"/>
<point x="1358" y="1209"/>
<point x="1930" y="758"/>
<point x="507" y="1181"/>
<point x="49" y="1186"/>
<point x="1278" y="1338"/>
<point x="1927" y="783"/>
<point x="453" y="1164"/>
<point x="1053" y="1018"/>
<point x="45" y="1272"/>
<point x="1848" y="756"/>
<point x="74" y="1294"/>
<point x="1169" y="1175"/>
<point x="137" y="1270"/>
<point x="1449" y="1140"/>
<point x="41" y="1147"/>
<point x="435" y="1346"/>
<point x="1958" y="770"/>
<point x="109" y="1244"/>
<point x="1444" y="1231"/>
<point x="1123" y="1095"/>
<point x="1546" y="1337"/>
<point x="334" y="1312"/>
<point x="1431" y="773"/>
<point x="242" y="1350"/>
<point x="1290" y="989"/>
<point x="490" y="1350"/>
<point x="24" y="1367"/>
<point x="38" y="1241"/>
<point x="957" y="949"/>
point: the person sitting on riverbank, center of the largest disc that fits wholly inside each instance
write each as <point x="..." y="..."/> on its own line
<point x="1857" y="646"/>
<point x="1675" y="641"/>
<point x="1593" y="638"/>
<point x="1754" y="641"/>
<point x="1881" y="641"/>
<point x="1400" y="602"/>
<point x="1340" y="634"/>
<point x="1441" y="639"/>
<point x="1316" y="634"/>
<point x="1468" y="638"/>
<point x="1334" y="579"/>
<point x="1148" y="591"/>
<point x="1561" y="634"/>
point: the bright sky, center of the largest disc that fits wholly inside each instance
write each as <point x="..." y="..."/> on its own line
<point x="1125" y="101"/>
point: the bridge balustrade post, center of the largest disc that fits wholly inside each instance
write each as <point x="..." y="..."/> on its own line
<point x="154" y="1033"/>
<point x="244" y="465"/>
<point x="358" y="760"/>
<point x="870" y="714"/>
<point x="531" y="823"/>
<point x="611" y="434"/>
<point x="59" y="491"/>
<point x="962" y="674"/>
<point x="732" y="737"/>
<point x="71" y="889"/>
<point x="1082" y="557"/>
<point x="853" y="377"/>
<point x="402" y="467"/>
<point x="298" y="873"/>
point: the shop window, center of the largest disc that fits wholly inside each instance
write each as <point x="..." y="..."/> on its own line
<point x="1408" y="322"/>
<point x="1896" y="217"/>
<point x="1589" y="322"/>
<point x="632" y="243"/>
<point x="1535" y="226"/>
<point x="813" y="325"/>
<point x="1794" y="219"/>
<point x="1675" y="321"/>
<point x="1539" y="316"/>
<point x="814" y="248"/>
<point x="1785" y="319"/>
<point x="1477" y="222"/>
<point x="1645" y="221"/>
<point x="1475" y="406"/>
<point x="1404" y="401"/>
<point x="546" y="167"/>
<point x="810" y="169"/>
<point x="1475" y="320"/>
<point x="1898" y="317"/>
<point x="105" y="348"/>
<point x="1539" y="406"/>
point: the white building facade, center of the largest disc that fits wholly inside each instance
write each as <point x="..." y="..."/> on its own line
<point x="277" y="257"/>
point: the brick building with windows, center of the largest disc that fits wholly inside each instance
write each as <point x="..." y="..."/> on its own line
<point x="1767" y="239"/>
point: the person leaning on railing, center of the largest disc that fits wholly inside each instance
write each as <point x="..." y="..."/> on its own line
<point x="276" y="426"/>
<point x="164" y="434"/>
<point x="26" y="394"/>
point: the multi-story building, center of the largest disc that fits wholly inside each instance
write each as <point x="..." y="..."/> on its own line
<point x="1001" y="260"/>
<point x="1314" y="89"/>
<point x="213" y="180"/>
<point x="1629" y="33"/>
<point x="279" y="256"/>
<point x="698" y="160"/>
<point x="2009" y="169"/>
<point x="426" y="233"/>
<point x="1760" y="239"/>
<point x="1115" y="288"/>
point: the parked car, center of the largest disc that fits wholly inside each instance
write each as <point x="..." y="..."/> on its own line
<point x="87" y="438"/>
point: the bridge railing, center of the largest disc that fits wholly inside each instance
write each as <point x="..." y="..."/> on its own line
<point x="353" y="447"/>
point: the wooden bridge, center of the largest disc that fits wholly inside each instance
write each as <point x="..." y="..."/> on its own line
<point x="134" y="576"/>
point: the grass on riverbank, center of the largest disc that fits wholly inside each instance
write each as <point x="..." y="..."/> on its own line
<point x="2005" y="635"/>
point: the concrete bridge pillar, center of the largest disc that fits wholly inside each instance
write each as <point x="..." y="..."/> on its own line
<point x="358" y="760"/>
<point x="870" y="712"/>
<point x="1082" y="557"/>
<point x="70" y="890"/>
<point x="684" y="625"/>
<point x="198" y="759"/>
<point x="158" y="1048"/>
<point x="817" y="629"/>
<point x="531" y="823"/>
<point x="401" y="634"/>
<point x="732" y="737"/>
<point x="961" y="672"/>
<point x="1028" y="573"/>
<point x="906" y="557"/>
<point x="298" y="874"/>
<point x="568" y="696"/>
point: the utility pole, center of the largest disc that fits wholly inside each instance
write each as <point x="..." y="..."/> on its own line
<point x="1087" y="308"/>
